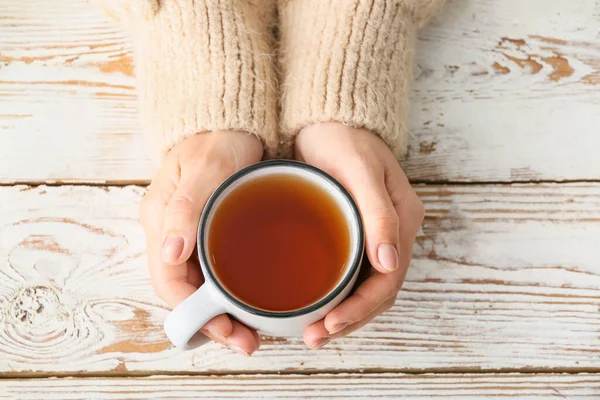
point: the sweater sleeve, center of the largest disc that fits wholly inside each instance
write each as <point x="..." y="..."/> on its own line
<point x="349" y="61"/>
<point x="203" y="65"/>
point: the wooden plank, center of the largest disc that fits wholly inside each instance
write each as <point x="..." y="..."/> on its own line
<point x="68" y="109"/>
<point x="505" y="91"/>
<point x="383" y="386"/>
<point x="504" y="277"/>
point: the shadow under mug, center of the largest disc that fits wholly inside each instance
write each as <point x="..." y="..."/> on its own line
<point x="212" y="298"/>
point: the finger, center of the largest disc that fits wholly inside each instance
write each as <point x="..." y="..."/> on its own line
<point x="170" y="282"/>
<point x="379" y="217"/>
<point x="182" y="213"/>
<point x="256" y="336"/>
<point x="375" y="291"/>
<point x="194" y="273"/>
<point x="173" y="283"/>
<point x="409" y="209"/>
<point x="242" y="340"/>
<point x="219" y="329"/>
<point x="368" y="297"/>
<point x="357" y="325"/>
<point x="316" y="336"/>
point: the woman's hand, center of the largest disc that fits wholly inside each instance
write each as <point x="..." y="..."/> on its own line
<point x="170" y="213"/>
<point x="391" y="211"/>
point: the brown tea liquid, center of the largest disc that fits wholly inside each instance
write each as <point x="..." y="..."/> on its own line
<point x="279" y="243"/>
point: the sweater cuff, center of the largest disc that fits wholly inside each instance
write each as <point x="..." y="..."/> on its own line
<point x="350" y="62"/>
<point x="203" y="65"/>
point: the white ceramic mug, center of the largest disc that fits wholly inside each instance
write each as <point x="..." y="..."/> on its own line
<point x="212" y="298"/>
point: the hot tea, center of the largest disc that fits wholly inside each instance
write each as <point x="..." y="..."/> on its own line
<point x="279" y="242"/>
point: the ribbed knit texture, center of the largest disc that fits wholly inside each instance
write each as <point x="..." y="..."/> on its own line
<point x="348" y="61"/>
<point x="203" y="65"/>
<point x="207" y="65"/>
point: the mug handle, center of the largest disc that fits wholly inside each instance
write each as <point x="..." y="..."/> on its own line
<point x="185" y="321"/>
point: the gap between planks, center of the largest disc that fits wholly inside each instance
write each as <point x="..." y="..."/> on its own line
<point x="143" y="183"/>
<point x="291" y="372"/>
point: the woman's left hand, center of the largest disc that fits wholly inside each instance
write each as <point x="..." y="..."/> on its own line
<point x="391" y="211"/>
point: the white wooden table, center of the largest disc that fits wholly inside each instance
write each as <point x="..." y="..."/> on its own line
<point x="503" y="297"/>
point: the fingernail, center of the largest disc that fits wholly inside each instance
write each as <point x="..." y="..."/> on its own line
<point x="339" y="327"/>
<point x="239" y="350"/>
<point x="388" y="256"/>
<point x="320" y="343"/>
<point x="172" y="249"/>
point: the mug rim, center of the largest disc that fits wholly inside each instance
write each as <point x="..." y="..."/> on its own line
<point x="209" y="274"/>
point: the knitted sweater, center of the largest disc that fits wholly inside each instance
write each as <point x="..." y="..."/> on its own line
<point x="208" y="65"/>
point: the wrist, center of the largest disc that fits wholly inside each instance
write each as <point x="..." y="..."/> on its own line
<point x="238" y="148"/>
<point x="321" y="129"/>
<point x="330" y="129"/>
<point x="250" y="144"/>
<point x="228" y="143"/>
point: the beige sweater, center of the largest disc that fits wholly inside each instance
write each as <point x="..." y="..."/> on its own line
<point x="206" y="65"/>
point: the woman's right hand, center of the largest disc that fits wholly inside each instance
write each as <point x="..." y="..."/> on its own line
<point x="170" y="214"/>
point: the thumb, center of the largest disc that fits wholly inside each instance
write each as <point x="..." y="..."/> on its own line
<point x="380" y="222"/>
<point x="182" y="214"/>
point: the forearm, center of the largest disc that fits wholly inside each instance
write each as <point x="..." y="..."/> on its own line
<point x="349" y="62"/>
<point x="203" y="65"/>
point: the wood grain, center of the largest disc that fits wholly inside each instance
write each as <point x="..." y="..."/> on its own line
<point x="343" y="386"/>
<point x="504" y="277"/>
<point x="68" y="109"/>
<point x="505" y="91"/>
